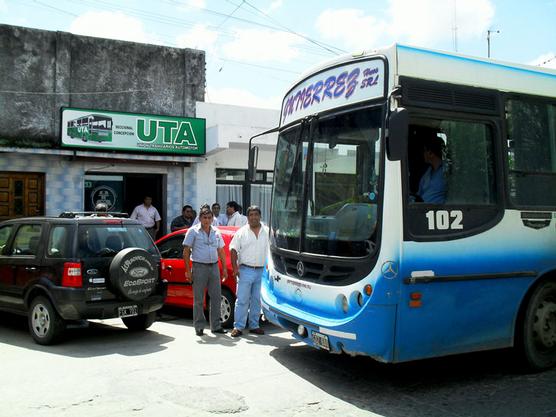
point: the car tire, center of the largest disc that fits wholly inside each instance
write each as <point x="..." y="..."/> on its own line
<point x="134" y="273"/>
<point x="536" y="335"/>
<point x="140" y="322"/>
<point x="227" y="305"/>
<point x="45" y="324"/>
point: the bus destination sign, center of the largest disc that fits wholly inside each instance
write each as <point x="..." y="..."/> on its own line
<point x="105" y="130"/>
<point x="337" y="87"/>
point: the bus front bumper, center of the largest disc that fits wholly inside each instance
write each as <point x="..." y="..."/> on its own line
<point x="369" y="333"/>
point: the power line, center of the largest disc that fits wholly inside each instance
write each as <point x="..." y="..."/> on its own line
<point x="55" y="8"/>
<point x="230" y="15"/>
<point x="42" y="93"/>
<point x="259" y="66"/>
<point x="161" y="18"/>
<point x="317" y="43"/>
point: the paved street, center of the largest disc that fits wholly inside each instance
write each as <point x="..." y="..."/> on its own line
<point x="104" y="370"/>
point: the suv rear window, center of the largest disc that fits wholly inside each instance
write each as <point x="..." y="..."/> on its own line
<point x="102" y="239"/>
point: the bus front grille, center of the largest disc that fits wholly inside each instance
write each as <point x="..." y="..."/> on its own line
<point x="324" y="272"/>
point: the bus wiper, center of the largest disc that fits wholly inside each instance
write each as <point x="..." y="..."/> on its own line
<point x="295" y="159"/>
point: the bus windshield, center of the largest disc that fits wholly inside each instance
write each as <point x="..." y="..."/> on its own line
<point x="326" y="185"/>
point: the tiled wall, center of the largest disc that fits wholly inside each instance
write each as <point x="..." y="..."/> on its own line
<point x="63" y="179"/>
<point x="64" y="182"/>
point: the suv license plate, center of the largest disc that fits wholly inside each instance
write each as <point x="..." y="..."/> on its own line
<point x="320" y="340"/>
<point x="127" y="311"/>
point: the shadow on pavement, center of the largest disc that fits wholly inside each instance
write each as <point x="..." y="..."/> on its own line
<point x="87" y="340"/>
<point x="183" y="317"/>
<point x="471" y="385"/>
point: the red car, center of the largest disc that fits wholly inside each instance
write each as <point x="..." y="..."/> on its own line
<point x="180" y="293"/>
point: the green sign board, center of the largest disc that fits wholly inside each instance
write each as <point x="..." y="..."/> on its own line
<point x="106" y="130"/>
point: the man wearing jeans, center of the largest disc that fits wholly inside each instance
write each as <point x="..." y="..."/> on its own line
<point x="249" y="248"/>
<point x="203" y="245"/>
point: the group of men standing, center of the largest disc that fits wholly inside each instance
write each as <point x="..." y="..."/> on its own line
<point x="188" y="217"/>
<point x="203" y="247"/>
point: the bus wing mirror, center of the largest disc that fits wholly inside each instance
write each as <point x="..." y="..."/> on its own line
<point x="253" y="160"/>
<point x="398" y="125"/>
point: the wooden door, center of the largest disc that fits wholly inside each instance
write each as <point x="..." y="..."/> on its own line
<point x="21" y="195"/>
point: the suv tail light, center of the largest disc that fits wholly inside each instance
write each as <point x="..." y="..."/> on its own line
<point x="72" y="275"/>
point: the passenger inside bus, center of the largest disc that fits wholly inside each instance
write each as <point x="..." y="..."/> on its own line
<point x="426" y="165"/>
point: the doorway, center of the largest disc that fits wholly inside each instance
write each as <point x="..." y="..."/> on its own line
<point x="137" y="186"/>
<point x="126" y="191"/>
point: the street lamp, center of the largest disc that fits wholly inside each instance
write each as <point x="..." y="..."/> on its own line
<point x="488" y="39"/>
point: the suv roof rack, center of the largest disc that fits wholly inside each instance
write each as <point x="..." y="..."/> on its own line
<point x="74" y="214"/>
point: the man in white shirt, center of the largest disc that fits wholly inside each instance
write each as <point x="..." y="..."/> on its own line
<point x="234" y="214"/>
<point x="148" y="216"/>
<point x="249" y="249"/>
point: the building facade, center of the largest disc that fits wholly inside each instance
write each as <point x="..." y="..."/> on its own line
<point x="43" y="74"/>
<point x="74" y="110"/>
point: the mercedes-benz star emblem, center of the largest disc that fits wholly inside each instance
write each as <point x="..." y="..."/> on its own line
<point x="300" y="269"/>
<point x="389" y="269"/>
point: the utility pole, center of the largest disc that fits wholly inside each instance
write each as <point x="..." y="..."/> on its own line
<point x="488" y="39"/>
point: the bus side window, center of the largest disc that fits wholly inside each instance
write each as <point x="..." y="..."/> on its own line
<point x="427" y="170"/>
<point x="451" y="163"/>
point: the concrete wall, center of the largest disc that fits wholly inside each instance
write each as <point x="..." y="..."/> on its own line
<point x="42" y="71"/>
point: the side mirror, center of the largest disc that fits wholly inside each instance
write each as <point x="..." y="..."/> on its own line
<point x="398" y="125"/>
<point x="253" y="160"/>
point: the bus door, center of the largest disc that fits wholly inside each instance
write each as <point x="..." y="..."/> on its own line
<point x="453" y="296"/>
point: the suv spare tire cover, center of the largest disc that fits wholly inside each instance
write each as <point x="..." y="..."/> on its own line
<point x="134" y="273"/>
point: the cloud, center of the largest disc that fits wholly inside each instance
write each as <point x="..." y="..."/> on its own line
<point x="188" y="5"/>
<point x="430" y="21"/>
<point x="275" y="5"/>
<point x="423" y="22"/>
<point x="259" y="45"/>
<point x="239" y="97"/>
<point x="199" y="37"/>
<point x="352" y="27"/>
<point x="547" y="60"/>
<point x="111" y="25"/>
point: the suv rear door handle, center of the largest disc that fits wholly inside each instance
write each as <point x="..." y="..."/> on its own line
<point x="30" y="268"/>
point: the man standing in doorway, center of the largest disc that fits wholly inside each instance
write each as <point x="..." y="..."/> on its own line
<point x="148" y="216"/>
<point x="203" y="245"/>
<point x="249" y="249"/>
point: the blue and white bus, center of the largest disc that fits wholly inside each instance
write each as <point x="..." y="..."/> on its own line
<point x="362" y="261"/>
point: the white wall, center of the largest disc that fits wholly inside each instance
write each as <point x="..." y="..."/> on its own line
<point x="229" y="129"/>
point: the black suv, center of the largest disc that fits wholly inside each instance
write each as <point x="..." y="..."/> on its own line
<point x="79" y="266"/>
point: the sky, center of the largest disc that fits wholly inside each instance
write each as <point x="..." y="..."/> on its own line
<point x="256" y="49"/>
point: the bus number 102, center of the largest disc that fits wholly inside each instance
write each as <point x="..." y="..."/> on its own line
<point x="445" y="220"/>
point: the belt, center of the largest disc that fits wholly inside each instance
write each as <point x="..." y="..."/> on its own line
<point x="204" y="263"/>
<point x="252" y="267"/>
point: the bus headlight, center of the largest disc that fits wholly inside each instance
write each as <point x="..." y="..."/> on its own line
<point x="360" y="299"/>
<point x="345" y="304"/>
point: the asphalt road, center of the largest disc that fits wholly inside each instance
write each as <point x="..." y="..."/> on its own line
<point x="105" y="370"/>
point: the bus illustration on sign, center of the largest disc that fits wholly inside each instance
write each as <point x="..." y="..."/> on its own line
<point x="93" y="127"/>
<point x="413" y="208"/>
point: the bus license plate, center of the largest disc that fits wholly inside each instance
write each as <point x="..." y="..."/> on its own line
<point x="320" y="340"/>
<point x="128" y="311"/>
